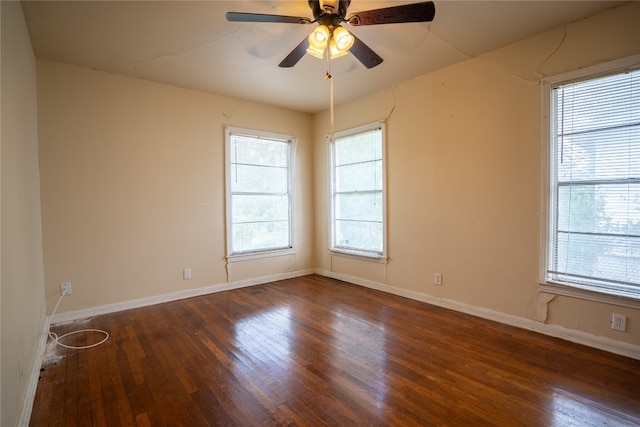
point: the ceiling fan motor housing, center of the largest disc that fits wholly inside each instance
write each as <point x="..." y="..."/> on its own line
<point x="329" y="7"/>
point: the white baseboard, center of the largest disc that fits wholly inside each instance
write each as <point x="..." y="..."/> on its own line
<point x="579" y="337"/>
<point x="173" y="296"/>
<point x="30" y="393"/>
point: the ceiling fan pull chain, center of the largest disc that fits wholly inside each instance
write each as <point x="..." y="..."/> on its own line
<point x="331" y="106"/>
<point x="329" y="77"/>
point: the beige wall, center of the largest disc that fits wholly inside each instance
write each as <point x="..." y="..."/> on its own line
<point x="464" y="176"/>
<point x="133" y="186"/>
<point x="22" y="298"/>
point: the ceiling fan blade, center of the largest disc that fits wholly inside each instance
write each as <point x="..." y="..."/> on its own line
<point x="364" y="53"/>
<point x="416" y="12"/>
<point x="296" y="55"/>
<point x="261" y="17"/>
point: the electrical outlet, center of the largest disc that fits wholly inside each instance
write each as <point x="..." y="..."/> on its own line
<point x="65" y="288"/>
<point x="437" y="279"/>
<point x="186" y="274"/>
<point x="619" y="322"/>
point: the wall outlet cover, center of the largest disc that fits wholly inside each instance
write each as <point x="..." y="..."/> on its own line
<point x="619" y="322"/>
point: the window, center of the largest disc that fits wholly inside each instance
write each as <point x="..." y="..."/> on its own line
<point x="259" y="192"/>
<point x="594" y="207"/>
<point x="358" y="192"/>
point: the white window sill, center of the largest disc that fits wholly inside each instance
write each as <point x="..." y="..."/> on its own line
<point x="589" y="294"/>
<point x="364" y="256"/>
<point x="257" y="255"/>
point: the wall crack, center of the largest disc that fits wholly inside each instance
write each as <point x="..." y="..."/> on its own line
<point x="562" y="40"/>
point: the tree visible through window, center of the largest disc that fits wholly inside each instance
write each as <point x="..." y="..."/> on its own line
<point x="258" y="191"/>
<point x="594" y="226"/>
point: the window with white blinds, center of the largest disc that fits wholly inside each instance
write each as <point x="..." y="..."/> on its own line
<point x="259" y="191"/>
<point x="358" y="192"/>
<point x="594" y="215"/>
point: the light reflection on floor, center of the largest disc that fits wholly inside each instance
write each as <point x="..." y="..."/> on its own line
<point x="568" y="409"/>
<point x="257" y="334"/>
<point x="265" y="347"/>
<point x="351" y="329"/>
<point x="267" y="335"/>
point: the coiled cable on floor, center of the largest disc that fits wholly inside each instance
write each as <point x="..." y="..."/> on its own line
<point x="56" y="339"/>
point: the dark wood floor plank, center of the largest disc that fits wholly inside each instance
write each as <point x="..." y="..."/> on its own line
<point x="314" y="351"/>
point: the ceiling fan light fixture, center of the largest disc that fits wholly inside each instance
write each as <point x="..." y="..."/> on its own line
<point x="318" y="53"/>
<point x="319" y="37"/>
<point x="318" y="40"/>
<point x="334" y="51"/>
<point x="342" y="38"/>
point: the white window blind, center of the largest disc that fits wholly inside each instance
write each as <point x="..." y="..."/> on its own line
<point x="594" y="221"/>
<point x="358" y="192"/>
<point x="259" y="193"/>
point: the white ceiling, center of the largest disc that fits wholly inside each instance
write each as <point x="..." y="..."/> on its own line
<point x="190" y="43"/>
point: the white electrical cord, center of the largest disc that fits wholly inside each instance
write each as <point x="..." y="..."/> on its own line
<point x="56" y="339"/>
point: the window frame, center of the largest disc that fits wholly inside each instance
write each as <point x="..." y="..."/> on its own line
<point x="380" y="257"/>
<point x="547" y="285"/>
<point x="234" y="256"/>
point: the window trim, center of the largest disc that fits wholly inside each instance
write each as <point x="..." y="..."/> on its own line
<point x="262" y="253"/>
<point x="556" y="287"/>
<point x="353" y="253"/>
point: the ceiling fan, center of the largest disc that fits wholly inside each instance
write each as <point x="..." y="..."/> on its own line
<point x="329" y="15"/>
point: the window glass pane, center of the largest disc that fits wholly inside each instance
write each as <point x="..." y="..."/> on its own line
<point x="359" y="176"/>
<point x="254" y="236"/>
<point x="359" y="235"/>
<point x="586" y="258"/>
<point x="359" y="148"/>
<point x="359" y="206"/>
<point x="605" y="154"/>
<point x="603" y="208"/>
<point x="577" y="254"/>
<point x="260" y="208"/>
<point x="259" y="151"/>
<point x="258" y="179"/>
<point x="580" y="208"/>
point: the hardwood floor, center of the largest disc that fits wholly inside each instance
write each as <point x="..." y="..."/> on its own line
<point x="314" y="351"/>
